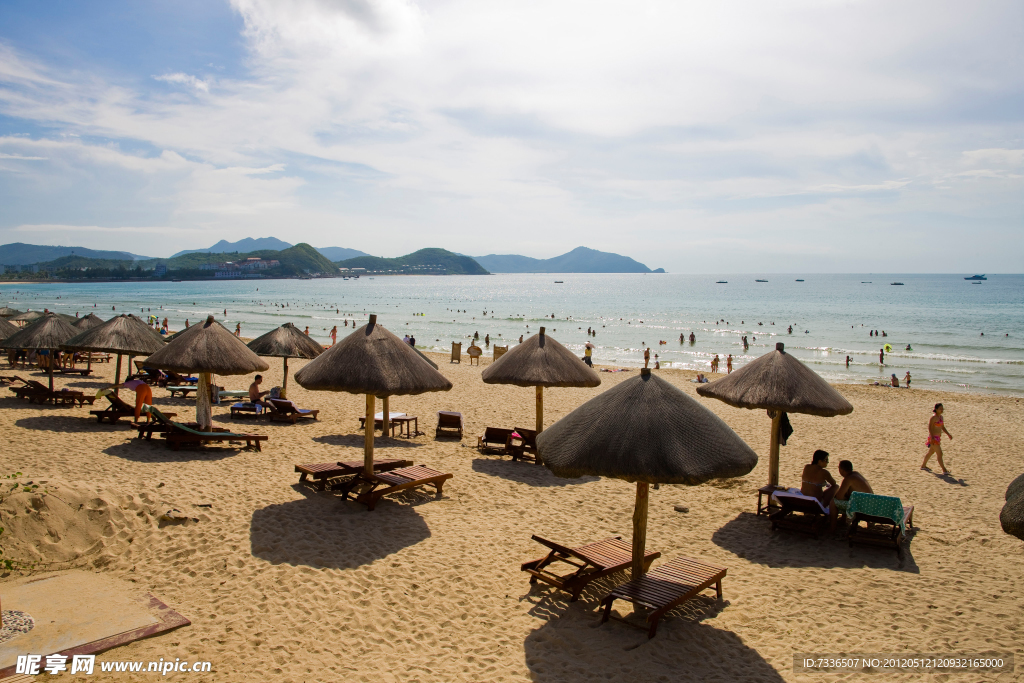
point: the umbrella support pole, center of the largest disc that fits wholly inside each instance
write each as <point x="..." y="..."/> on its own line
<point x="117" y="374"/>
<point x="371" y="402"/>
<point x="284" y="383"/>
<point x="385" y="424"/>
<point x="204" y="409"/>
<point x="640" y="528"/>
<point x="540" y="415"/>
<point x="53" y="354"/>
<point x="773" y="453"/>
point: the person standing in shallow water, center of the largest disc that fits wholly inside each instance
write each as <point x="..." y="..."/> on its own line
<point x="728" y="364"/>
<point x="935" y="428"/>
<point x="334" y="335"/>
<point x="647" y="356"/>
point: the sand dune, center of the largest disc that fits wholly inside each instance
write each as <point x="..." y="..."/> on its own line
<point x="301" y="586"/>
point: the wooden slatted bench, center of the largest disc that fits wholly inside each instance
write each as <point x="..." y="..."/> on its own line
<point x="321" y="472"/>
<point x="396" y="480"/>
<point x="664" y="588"/>
<point x="592" y="561"/>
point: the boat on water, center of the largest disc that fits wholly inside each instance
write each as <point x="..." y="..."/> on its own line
<point x="760" y="281"/>
<point x="559" y="282"/>
<point x="722" y="282"/>
<point x="976" y="277"/>
<point x="175" y="280"/>
<point x="865" y="282"/>
<point x="895" y="283"/>
<point x="799" y="280"/>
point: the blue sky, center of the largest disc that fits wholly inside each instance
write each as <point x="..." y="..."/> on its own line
<point x="700" y="137"/>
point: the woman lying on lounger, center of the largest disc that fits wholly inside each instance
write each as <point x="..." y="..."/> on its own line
<point x="816" y="481"/>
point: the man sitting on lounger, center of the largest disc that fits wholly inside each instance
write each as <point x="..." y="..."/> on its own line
<point x="255" y="395"/>
<point x="816" y="481"/>
<point x="852" y="481"/>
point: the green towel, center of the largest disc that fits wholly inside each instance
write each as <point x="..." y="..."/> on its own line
<point x="889" y="507"/>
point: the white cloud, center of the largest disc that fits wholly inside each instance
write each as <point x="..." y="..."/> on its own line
<point x="185" y="79"/>
<point x="99" y="228"/>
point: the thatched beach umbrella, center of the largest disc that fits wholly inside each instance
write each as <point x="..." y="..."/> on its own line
<point x="540" y="362"/>
<point x="208" y="349"/>
<point x="7" y="312"/>
<point x="779" y="383"/>
<point x="88" y="322"/>
<point x="48" y="333"/>
<point x="649" y="432"/>
<point x="7" y="329"/>
<point x="285" y="342"/>
<point x="27" y="317"/>
<point x="375" y="362"/>
<point x="123" y="335"/>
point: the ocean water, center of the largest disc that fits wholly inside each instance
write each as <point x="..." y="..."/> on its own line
<point x="957" y="330"/>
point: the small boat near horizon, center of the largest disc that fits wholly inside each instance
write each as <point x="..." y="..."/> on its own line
<point x="760" y="281"/>
<point x="976" y="277"/>
<point x="895" y="283"/>
<point x="722" y="282"/>
<point x="799" y="280"/>
<point x="559" y="282"/>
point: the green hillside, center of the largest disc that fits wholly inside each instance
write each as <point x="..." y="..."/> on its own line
<point x="299" y="261"/>
<point x="422" y="262"/>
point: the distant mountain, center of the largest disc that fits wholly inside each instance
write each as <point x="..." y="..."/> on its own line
<point x="422" y="262"/>
<point x="298" y="260"/>
<point x="579" y="260"/>
<point x="340" y="253"/>
<point x="18" y="254"/>
<point x="241" y="246"/>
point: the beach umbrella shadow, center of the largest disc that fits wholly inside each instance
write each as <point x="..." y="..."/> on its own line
<point x="61" y="423"/>
<point x="358" y="441"/>
<point x="572" y="647"/>
<point x="750" y="537"/>
<point x="322" y="531"/>
<point x="525" y="473"/>
<point x="156" y="451"/>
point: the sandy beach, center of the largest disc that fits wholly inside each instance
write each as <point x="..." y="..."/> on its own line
<point x="290" y="584"/>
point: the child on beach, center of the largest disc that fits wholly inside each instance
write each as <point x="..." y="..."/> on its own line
<point x="935" y="428"/>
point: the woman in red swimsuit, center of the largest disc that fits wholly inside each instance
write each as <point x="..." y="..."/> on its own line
<point x="934" y="442"/>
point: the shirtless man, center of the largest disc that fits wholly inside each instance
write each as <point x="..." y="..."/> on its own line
<point x="255" y="395"/>
<point x="852" y="481"/>
<point x="816" y="481"/>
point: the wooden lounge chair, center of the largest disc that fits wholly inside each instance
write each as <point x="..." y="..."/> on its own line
<point x="456" y="352"/>
<point x="282" y="410"/>
<point x="183" y="389"/>
<point x="886" y="520"/>
<point x="592" y="561"/>
<point x="523" y="444"/>
<point x="474" y="352"/>
<point x="799" y="513"/>
<point x="117" y="409"/>
<point x="94" y="357"/>
<point x="161" y="423"/>
<point x="29" y="386"/>
<point x="179" y="380"/>
<point x="494" y="439"/>
<point x="84" y="372"/>
<point x="396" y="480"/>
<point x="499" y="351"/>
<point x="323" y="472"/>
<point x="176" y="433"/>
<point x="247" y="408"/>
<point x="664" y="588"/>
<point x="449" y="421"/>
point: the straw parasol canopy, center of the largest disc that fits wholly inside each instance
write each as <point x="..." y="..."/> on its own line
<point x="540" y="362"/>
<point x="124" y="335"/>
<point x="779" y="383"/>
<point x="7" y="329"/>
<point x="7" y="312"/>
<point x="88" y="322"/>
<point x="208" y="349"/>
<point x="285" y="342"/>
<point x="48" y="333"/>
<point x="649" y="432"/>
<point x="26" y="317"/>
<point x="375" y="362"/>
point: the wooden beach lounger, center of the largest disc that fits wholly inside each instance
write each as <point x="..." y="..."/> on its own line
<point x="665" y="588"/>
<point x="592" y="561"/>
<point x="183" y="389"/>
<point x="494" y="439"/>
<point x="286" y="411"/>
<point x="448" y="421"/>
<point x="523" y="446"/>
<point x="116" y="410"/>
<point x="886" y="520"/>
<point x="393" y="482"/>
<point x="84" y="372"/>
<point x="322" y="472"/>
<point x="247" y="408"/>
<point x="799" y="513"/>
<point x="181" y="434"/>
